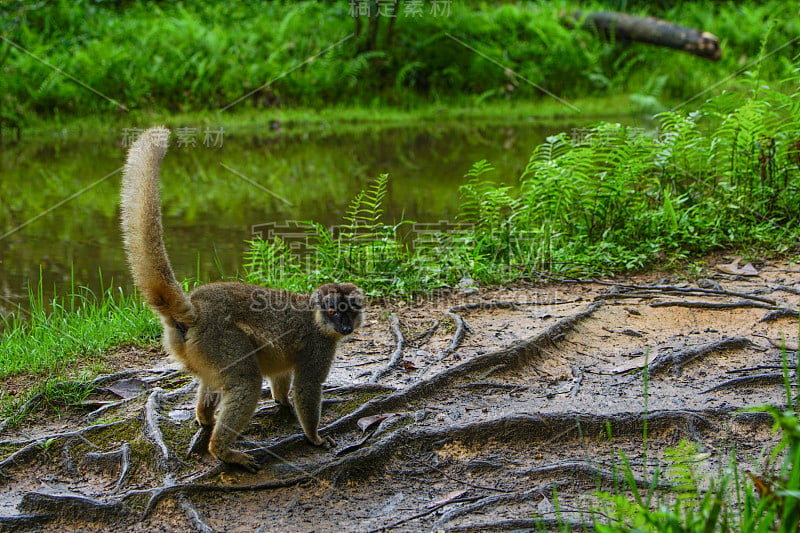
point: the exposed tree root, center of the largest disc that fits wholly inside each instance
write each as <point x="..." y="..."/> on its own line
<point x="585" y="470"/>
<point x="484" y="306"/>
<point x="397" y="355"/>
<point x="425" y="513"/>
<point x="72" y="506"/>
<point x="194" y="516"/>
<point x="790" y="290"/>
<point x="463" y="482"/>
<point x="678" y="359"/>
<point x="458" y="336"/>
<point x="423" y="433"/>
<point x="32" y="446"/>
<point x="524" y="524"/>
<point x="741" y="304"/>
<point x="577" y="379"/>
<point x="517" y="354"/>
<point x="749" y="381"/>
<point x="623" y="288"/>
<point x="780" y="313"/>
<point x="425" y="336"/>
<point x="152" y="429"/>
<point x="359" y="387"/>
<point x="24" y="522"/>
<point x="106" y="460"/>
<point x="516" y="497"/>
<point x="520" y="428"/>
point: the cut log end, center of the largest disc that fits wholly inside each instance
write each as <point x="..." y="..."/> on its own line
<point x="622" y="27"/>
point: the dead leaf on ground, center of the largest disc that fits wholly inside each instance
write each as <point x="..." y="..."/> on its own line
<point x="127" y="388"/>
<point x="784" y="343"/>
<point x="450" y="496"/>
<point x="369" y="421"/>
<point x="734" y="269"/>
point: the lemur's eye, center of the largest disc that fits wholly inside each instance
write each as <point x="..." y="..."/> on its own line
<point x="331" y="311"/>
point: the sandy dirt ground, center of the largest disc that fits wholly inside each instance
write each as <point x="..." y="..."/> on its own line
<point x="467" y="411"/>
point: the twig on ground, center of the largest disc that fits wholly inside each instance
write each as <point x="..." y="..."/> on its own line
<point x="425" y="336"/>
<point x="425" y="513"/>
<point x="513" y="497"/>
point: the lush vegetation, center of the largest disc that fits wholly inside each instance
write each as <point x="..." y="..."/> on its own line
<point x="734" y="501"/>
<point x="53" y="339"/>
<point x="609" y="199"/>
<point x="75" y="58"/>
<point x="721" y="175"/>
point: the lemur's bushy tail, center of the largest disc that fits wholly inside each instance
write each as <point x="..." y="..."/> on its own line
<point x="142" y="231"/>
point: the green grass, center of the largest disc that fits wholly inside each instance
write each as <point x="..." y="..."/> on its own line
<point x="336" y="119"/>
<point x="82" y="324"/>
<point x="732" y="501"/>
<point x="195" y="56"/>
<point x="64" y="340"/>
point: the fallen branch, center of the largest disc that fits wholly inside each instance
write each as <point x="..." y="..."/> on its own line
<point x="678" y="359"/>
<point x="397" y="355"/>
<point x="623" y="27"/>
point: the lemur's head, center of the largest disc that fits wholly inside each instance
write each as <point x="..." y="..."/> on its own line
<point x="338" y="308"/>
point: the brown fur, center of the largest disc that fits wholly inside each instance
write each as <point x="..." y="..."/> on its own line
<point x="231" y="334"/>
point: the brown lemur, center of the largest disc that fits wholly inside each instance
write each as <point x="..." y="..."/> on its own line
<point x="230" y="334"/>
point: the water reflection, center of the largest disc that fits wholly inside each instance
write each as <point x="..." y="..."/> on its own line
<point x="60" y="217"/>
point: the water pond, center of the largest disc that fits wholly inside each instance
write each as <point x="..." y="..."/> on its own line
<point x="59" y="202"/>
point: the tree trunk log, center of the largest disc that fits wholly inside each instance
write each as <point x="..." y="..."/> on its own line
<point x="624" y="27"/>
